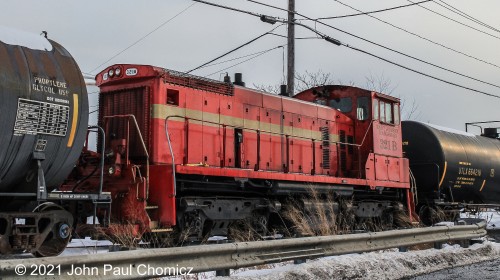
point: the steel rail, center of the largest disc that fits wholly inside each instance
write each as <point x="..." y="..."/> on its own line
<point x="134" y="264"/>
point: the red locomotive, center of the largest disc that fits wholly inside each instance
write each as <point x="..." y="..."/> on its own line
<point x="176" y="152"/>
<point x="191" y="153"/>
<point x="179" y="152"/>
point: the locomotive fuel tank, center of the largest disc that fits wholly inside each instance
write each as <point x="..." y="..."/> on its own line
<point x="44" y="111"/>
<point x="452" y="165"/>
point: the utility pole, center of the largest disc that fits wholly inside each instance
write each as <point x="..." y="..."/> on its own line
<point x="291" y="48"/>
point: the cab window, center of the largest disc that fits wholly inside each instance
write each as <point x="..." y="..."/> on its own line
<point x="396" y="114"/>
<point x="362" y="109"/>
<point x="375" y="109"/>
<point x="388" y="113"/>
<point x="343" y="104"/>
<point x="382" y="111"/>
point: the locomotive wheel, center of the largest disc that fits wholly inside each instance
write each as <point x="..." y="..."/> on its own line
<point x="57" y="239"/>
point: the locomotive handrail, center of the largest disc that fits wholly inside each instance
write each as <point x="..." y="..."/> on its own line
<point x="237" y="255"/>
<point x="360" y="145"/>
<point x="103" y="148"/>
<point x="366" y="133"/>
<point x="130" y="116"/>
<point x="171" y="151"/>
<point x="101" y="176"/>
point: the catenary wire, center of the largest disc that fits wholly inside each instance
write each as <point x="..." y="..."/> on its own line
<point x="143" y="37"/>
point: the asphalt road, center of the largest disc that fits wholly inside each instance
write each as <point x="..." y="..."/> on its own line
<point x="483" y="271"/>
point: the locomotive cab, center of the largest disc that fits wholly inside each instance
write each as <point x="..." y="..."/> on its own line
<point x="374" y="143"/>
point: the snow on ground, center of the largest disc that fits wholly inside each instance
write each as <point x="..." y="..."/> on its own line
<point x="86" y="246"/>
<point x="492" y="218"/>
<point x="388" y="264"/>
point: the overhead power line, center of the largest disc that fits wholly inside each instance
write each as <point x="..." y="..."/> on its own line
<point x="143" y="37"/>
<point x="422" y="73"/>
<point x="338" y="43"/>
<point x="379" y="45"/>
<point x="253" y="57"/>
<point x="463" y="14"/>
<point x="373" y="12"/>
<point x="456" y="21"/>
<point x="296" y="38"/>
<point x="233" y="59"/>
<point x="235" y="49"/>
<point x="423" y="38"/>
<point x="393" y="50"/>
<point x="415" y="58"/>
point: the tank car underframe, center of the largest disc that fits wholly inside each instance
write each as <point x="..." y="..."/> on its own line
<point x="46" y="230"/>
<point x="441" y="210"/>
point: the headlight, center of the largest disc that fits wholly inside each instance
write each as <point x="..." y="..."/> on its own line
<point x="111" y="73"/>
<point x="118" y="71"/>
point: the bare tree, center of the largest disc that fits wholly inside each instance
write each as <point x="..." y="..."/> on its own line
<point x="303" y="81"/>
<point x="380" y="84"/>
<point x="308" y="80"/>
<point x="409" y="108"/>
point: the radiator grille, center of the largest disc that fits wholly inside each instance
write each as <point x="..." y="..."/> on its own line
<point x="135" y="101"/>
<point x="325" y="138"/>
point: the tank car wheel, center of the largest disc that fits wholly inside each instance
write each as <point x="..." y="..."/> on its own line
<point x="59" y="236"/>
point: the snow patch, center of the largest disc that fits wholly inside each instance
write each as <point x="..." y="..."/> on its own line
<point x="491" y="216"/>
<point x="25" y="39"/>
<point x="388" y="264"/>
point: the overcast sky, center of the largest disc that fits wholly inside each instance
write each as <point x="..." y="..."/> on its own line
<point x="95" y="31"/>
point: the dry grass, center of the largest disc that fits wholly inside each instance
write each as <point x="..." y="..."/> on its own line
<point x="126" y="235"/>
<point x="242" y="231"/>
<point x="315" y="216"/>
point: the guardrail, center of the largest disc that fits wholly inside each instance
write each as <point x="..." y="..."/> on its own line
<point x="144" y="264"/>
